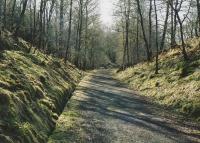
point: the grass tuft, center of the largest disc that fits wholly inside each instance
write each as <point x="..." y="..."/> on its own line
<point x="178" y="83"/>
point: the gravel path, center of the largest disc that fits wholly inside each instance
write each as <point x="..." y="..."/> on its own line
<point x="104" y="111"/>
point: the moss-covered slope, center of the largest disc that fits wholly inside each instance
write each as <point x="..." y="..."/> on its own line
<point x="178" y="83"/>
<point x="33" y="91"/>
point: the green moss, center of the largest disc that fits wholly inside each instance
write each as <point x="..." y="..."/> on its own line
<point x="33" y="92"/>
<point x="177" y="85"/>
<point x="68" y="120"/>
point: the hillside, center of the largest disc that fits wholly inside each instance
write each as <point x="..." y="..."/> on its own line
<point x="34" y="89"/>
<point x="177" y="85"/>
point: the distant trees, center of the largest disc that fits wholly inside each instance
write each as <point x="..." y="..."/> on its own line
<point x="71" y="29"/>
<point x="65" y="28"/>
<point x="155" y="25"/>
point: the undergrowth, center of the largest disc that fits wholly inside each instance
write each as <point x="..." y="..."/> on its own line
<point x="33" y="91"/>
<point x="178" y="83"/>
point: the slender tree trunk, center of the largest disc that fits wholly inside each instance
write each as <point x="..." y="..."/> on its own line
<point x="31" y="20"/>
<point x="44" y="28"/>
<point x="41" y="23"/>
<point x="48" y="22"/>
<point x="13" y="12"/>
<point x="137" y="40"/>
<point x="5" y="14"/>
<point x="34" y="20"/>
<point x="21" y="17"/>
<point x="198" y="17"/>
<point x="173" y="23"/>
<point x="80" y="32"/>
<point x="69" y="31"/>
<point x="177" y="9"/>
<point x="86" y="35"/>
<point x="165" y="27"/>
<point x="1" y="4"/>
<point x="182" y="37"/>
<point x="31" y="26"/>
<point x="124" y="53"/>
<point x="155" y="8"/>
<point x="76" y="43"/>
<point x="61" y="42"/>
<point x="143" y="32"/>
<point x="127" y="18"/>
<point x="150" y="23"/>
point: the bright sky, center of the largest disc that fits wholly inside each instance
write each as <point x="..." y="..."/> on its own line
<point x="106" y="11"/>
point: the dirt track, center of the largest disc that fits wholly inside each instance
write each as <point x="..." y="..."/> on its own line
<point x="104" y="111"/>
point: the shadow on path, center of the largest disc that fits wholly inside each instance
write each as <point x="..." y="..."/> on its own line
<point x="111" y="113"/>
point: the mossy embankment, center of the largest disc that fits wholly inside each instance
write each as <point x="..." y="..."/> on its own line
<point x="178" y="83"/>
<point x="34" y="89"/>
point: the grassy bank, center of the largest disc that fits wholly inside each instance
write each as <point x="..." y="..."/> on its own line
<point x="33" y="91"/>
<point x="178" y="83"/>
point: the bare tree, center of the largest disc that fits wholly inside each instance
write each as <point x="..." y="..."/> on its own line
<point x="69" y="31"/>
<point x="148" y="51"/>
<point x="177" y="11"/>
<point x="61" y="41"/>
<point x="157" y="50"/>
<point x="5" y="14"/>
<point x="165" y="26"/>
<point x="150" y="24"/>
<point x="198" y="17"/>
<point x="21" y="17"/>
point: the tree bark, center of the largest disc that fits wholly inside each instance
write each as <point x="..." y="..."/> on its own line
<point x="61" y="25"/>
<point x="143" y="32"/>
<point x="155" y="8"/>
<point x="150" y="24"/>
<point x="1" y="4"/>
<point x="137" y="40"/>
<point x="21" y="17"/>
<point x="69" y="32"/>
<point x="165" y="28"/>
<point x="5" y="14"/>
<point x="198" y="17"/>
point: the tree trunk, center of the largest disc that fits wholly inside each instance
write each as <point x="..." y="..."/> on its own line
<point x="80" y="31"/>
<point x="155" y="8"/>
<point x="173" y="23"/>
<point x="69" y="32"/>
<point x="34" y="20"/>
<point x="13" y="12"/>
<point x="86" y="36"/>
<point x="21" y="17"/>
<point x="198" y="18"/>
<point x="1" y="4"/>
<point x="143" y="32"/>
<point x="5" y="14"/>
<point x="61" y="42"/>
<point x="150" y="24"/>
<point x="165" y="28"/>
<point x="48" y="22"/>
<point x="182" y="38"/>
<point x="127" y="16"/>
<point x="41" y="23"/>
<point x="137" y="40"/>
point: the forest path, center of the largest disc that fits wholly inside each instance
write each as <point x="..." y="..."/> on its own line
<point x="102" y="110"/>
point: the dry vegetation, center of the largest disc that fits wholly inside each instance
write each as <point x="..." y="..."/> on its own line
<point x="178" y="83"/>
